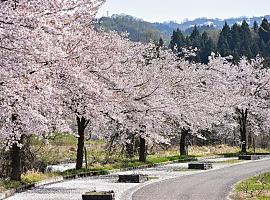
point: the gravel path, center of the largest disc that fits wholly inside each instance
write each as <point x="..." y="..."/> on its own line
<point x="211" y="185"/>
<point x="73" y="189"/>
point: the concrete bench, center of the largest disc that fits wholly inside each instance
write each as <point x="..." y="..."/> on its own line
<point x="93" y="195"/>
<point x="132" y="178"/>
<point x="201" y="166"/>
<point x="249" y="157"/>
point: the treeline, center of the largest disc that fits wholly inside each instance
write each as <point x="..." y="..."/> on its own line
<point x="238" y="41"/>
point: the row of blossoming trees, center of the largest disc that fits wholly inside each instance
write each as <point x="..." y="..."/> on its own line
<point x="56" y="70"/>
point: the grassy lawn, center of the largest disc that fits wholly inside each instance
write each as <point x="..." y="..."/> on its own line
<point x="62" y="148"/>
<point x="204" y="151"/>
<point x="255" y="188"/>
<point x="27" y="178"/>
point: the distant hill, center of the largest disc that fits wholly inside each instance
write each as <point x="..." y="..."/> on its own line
<point x="139" y="30"/>
<point x="143" y="31"/>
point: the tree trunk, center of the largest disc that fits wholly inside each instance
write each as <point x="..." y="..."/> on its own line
<point x="82" y="124"/>
<point x="142" y="150"/>
<point x="249" y="140"/>
<point x="85" y="158"/>
<point x="16" y="171"/>
<point x="130" y="146"/>
<point x="183" y="142"/>
<point x="254" y="145"/>
<point x="243" y="129"/>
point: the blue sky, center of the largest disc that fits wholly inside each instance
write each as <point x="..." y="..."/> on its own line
<point x="178" y="10"/>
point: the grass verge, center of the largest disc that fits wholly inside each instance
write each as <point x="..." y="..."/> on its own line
<point x="255" y="188"/>
<point x="28" y="178"/>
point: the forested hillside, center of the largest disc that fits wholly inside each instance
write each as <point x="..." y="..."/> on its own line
<point x="139" y="30"/>
<point x="237" y="40"/>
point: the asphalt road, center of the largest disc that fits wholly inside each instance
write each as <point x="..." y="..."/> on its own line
<point x="211" y="185"/>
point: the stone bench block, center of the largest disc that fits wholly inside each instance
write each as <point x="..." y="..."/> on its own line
<point x="132" y="178"/>
<point x="249" y="157"/>
<point x="93" y="195"/>
<point x="201" y="166"/>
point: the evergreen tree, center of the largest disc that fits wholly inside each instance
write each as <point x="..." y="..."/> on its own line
<point x="188" y="42"/>
<point x="264" y="31"/>
<point x="178" y="40"/>
<point x="207" y="47"/>
<point x="255" y="26"/>
<point x="160" y="42"/>
<point x="255" y="48"/>
<point x="195" y="35"/>
<point x="195" y="39"/>
<point x="246" y="40"/>
<point x="223" y="45"/>
<point x="263" y="48"/>
<point x="173" y="41"/>
<point x="235" y="43"/>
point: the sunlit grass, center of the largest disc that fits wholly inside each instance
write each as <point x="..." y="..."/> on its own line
<point x="257" y="187"/>
<point x="30" y="177"/>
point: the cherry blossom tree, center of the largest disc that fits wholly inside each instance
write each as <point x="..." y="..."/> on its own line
<point x="32" y="58"/>
<point x="241" y="91"/>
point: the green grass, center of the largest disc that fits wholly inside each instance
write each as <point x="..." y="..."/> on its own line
<point x="6" y="184"/>
<point x="155" y="159"/>
<point x="28" y="178"/>
<point x="152" y="177"/>
<point x="257" y="187"/>
<point x="62" y="149"/>
<point x="33" y="177"/>
<point x="250" y="152"/>
<point x="234" y="161"/>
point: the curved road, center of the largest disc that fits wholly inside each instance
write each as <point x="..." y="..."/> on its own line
<point x="210" y="185"/>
